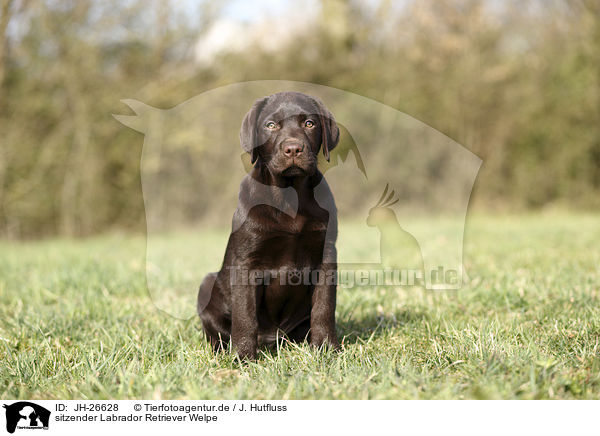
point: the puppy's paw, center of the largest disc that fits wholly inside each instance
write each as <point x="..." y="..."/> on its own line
<point x="246" y="349"/>
<point x="324" y="338"/>
<point x="247" y="354"/>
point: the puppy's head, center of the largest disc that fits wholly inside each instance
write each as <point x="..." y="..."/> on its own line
<point x="285" y="131"/>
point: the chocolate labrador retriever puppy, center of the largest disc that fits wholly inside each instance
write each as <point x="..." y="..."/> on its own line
<point x="278" y="275"/>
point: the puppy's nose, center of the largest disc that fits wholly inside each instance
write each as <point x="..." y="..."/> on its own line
<point x="293" y="150"/>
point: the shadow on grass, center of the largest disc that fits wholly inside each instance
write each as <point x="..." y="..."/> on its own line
<point x="352" y="329"/>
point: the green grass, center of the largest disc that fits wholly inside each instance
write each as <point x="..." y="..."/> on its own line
<point x="76" y="321"/>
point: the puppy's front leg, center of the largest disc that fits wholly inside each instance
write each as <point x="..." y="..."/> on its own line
<point x="322" y="316"/>
<point x="244" y="322"/>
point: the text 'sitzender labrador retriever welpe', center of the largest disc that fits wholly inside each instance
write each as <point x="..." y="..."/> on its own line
<point x="278" y="275"/>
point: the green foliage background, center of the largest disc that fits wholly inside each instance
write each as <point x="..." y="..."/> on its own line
<point x="516" y="82"/>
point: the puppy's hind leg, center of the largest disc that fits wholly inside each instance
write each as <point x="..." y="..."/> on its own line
<point x="301" y="332"/>
<point x="216" y="321"/>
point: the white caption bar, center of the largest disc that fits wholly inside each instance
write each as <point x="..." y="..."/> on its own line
<point x="77" y="417"/>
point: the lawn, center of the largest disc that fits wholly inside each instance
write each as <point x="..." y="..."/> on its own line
<point x="77" y="321"/>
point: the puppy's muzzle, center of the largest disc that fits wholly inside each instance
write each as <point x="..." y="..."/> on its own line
<point x="292" y="149"/>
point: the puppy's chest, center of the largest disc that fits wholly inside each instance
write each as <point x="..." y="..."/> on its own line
<point x="310" y="218"/>
<point x="293" y="243"/>
<point x="304" y="225"/>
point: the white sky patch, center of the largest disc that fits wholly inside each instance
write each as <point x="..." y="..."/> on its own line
<point x="269" y="28"/>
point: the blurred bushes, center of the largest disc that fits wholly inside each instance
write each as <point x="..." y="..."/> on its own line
<point x="516" y="82"/>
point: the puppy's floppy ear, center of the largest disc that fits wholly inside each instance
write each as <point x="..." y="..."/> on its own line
<point x="248" y="131"/>
<point x="329" y="128"/>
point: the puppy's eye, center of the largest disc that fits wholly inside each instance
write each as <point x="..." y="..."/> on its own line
<point x="271" y="125"/>
<point x="309" y="124"/>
